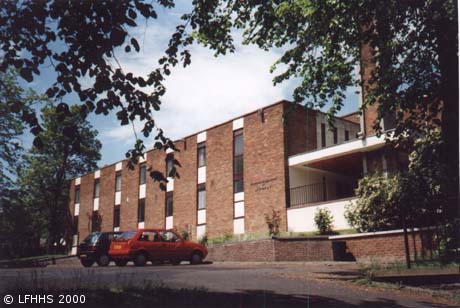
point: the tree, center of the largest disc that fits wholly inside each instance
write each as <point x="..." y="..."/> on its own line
<point x="70" y="148"/>
<point x="323" y="221"/>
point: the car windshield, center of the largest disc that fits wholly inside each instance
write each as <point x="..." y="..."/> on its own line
<point x="125" y="236"/>
<point x="92" y="238"/>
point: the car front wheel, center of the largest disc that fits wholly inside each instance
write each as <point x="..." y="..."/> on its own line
<point x="196" y="258"/>
<point x="140" y="259"/>
<point x="103" y="260"/>
<point x="86" y="262"/>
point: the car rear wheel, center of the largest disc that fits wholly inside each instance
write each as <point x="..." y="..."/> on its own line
<point x="121" y="262"/>
<point x="103" y="260"/>
<point x="140" y="259"/>
<point x="196" y="258"/>
<point x="87" y="262"/>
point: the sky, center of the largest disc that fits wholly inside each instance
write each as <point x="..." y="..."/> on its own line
<point x="208" y="92"/>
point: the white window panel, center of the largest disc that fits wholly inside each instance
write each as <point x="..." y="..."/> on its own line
<point x="142" y="191"/>
<point x="169" y="150"/>
<point x="117" y="197"/>
<point x="97" y="174"/>
<point x="238" y="226"/>
<point x="75" y="240"/>
<point x="201" y="137"/>
<point x="238" y="123"/>
<point x="200" y="232"/>
<point x="96" y="204"/>
<point x="116" y="229"/>
<point x="76" y="211"/>
<point x="239" y="209"/>
<point x="170" y="184"/>
<point x="169" y="222"/>
<point x="142" y="158"/>
<point x="118" y="166"/>
<point x="202" y="175"/>
<point x="77" y="181"/>
<point x="239" y="196"/>
<point x="201" y="217"/>
<point x="140" y="225"/>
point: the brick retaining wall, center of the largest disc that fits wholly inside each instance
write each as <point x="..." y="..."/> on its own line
<point x="383" y="246"/>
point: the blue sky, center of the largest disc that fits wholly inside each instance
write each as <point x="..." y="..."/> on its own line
<point x="209" y="91"/>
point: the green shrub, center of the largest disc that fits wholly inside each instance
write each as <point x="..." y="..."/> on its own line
<point x="273" y="222"/>
<point x="324" y="220"/>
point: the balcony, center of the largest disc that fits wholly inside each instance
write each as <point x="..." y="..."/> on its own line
<point x="318" y="192"/>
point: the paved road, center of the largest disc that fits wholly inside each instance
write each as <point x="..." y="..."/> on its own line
<point x="305" y="285"/>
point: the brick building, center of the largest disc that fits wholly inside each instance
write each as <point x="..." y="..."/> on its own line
<point x="279" y="157"/>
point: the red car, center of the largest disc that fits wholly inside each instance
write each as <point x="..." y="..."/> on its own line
<point x="155" y="245"/>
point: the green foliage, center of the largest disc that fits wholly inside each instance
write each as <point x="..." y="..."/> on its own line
<point x="204" y="240"/>
<point x="323" y="220"/>
<point x="70" y="148"/>
<point x="273" y="222"/>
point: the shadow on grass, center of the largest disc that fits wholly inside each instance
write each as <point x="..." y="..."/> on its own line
<point x="159" y="296"/>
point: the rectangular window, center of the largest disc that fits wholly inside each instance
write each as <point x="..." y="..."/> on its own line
<point x="118" y="181"/>
<point x="116" y="216"/>
<point x="238" y="161"/>
<point x="169" y="204"/>
<point x="201" y="154"/>
<point x="75" y="225"/>
<point x="201" y="197"/>
<point x="335" y="135"/>
<point x="142" y="174"/>
<point x="323" y="135"/>
<point x="77" y="194"/>
<point x="95" y="222"/>
<point x="141" y="210"/>
<point x="169" y="164"/>
<point x="347" y="135"/>
<point x="96" y="188"/>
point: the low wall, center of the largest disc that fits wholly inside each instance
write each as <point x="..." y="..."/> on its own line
<point x="382" y="246"/>
<point x="274" y="249"/>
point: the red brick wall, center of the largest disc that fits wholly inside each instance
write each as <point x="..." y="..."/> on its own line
<point x="370" y="113"/>
<point x="352" y="117"/>
<point x="303" y="249"/>
<point x="107" y="197"/>
<point x="155" y="197"/>
<point x="293" y="249"/>
<point x="86" y="205"/>
<point x="382" y="247"/>
<point x="264" y="169"/>
<point x="185" y="188"/>
<point x="300" y="129"/>
<point x="219" y="180"/>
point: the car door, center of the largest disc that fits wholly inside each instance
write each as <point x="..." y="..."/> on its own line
<point x="149" y="241"/>
<point x="172" y="245"/>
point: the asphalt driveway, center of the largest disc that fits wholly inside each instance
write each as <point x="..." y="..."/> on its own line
<point x="295" y="284"/>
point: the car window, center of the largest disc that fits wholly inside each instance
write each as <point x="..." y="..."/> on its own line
<point x="92" y="238"/>
<point x="168" y="236"/>
<point x="126" y="235"/>
<point x="149" y="236"/>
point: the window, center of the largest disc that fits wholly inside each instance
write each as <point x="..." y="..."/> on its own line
<point x="168" y="236"/>
<point x="149" y="236"/>
<point x="77" y="194"/>
<point x="201" y="155"/>
<point x="201" y="197"/>
<point x="142" y="174"/>
<point x="141" y="210"/>
<point x="347" y="135"/>
<point x="335" y="135"/>
<point x="116" y="216"/>
<point x="238" y="161"/>
<point x="169" y="164"/>
<point x="169" y="204"/>
<point x="96" y="189"/>
<point x="323" y="135"/>
<point x="118" y="181"/>
<point x="75" y="225"/>
<point x="95" y="222"/>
